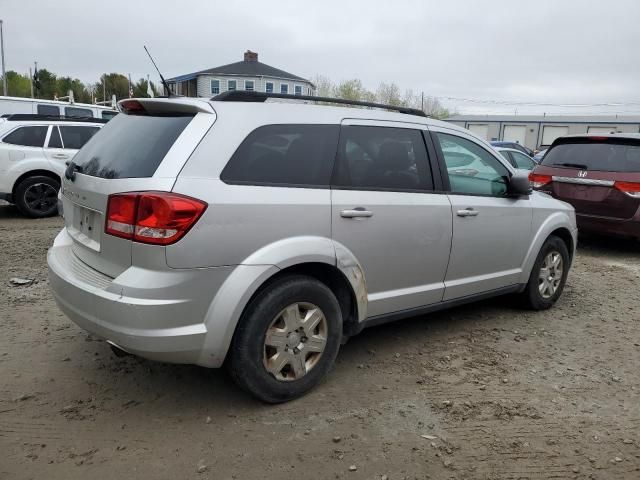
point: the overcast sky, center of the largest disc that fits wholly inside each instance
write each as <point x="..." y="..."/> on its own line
<point x="540" y="51"/>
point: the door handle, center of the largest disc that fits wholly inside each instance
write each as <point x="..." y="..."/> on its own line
<point x="358" y="212"/>
<point x="468" y="212"/>
<point x="60" y="155"/>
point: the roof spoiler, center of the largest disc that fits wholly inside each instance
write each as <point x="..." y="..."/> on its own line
<point x="164" y="106"/>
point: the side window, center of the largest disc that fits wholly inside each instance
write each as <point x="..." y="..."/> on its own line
<point x="54" y="140"/>
<point x="523" y="161"/>
<point x="289" y="155"/>
<point x="269" y="87"/>
<point x="471" y="168"/>
<point x="78" y="112"/>
<point x="382" y="158"/>
<point x="76" y="136"/>
<point x="108" y="114"/>
<point x="248" y="85"/>
<point x="27" y="136"/>
<point x="52" y="110"/>
<point x="231" y="85"/>
<point x="284" y="88"/>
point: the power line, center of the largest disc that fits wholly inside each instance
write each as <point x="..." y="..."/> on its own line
<point x="540" y="104"/>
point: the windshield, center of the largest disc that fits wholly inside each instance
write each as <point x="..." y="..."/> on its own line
<point x="612" y="155"/>
<point x="130" y="146"/>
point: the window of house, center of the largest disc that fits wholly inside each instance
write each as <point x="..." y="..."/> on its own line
<point x="289" y="155"/>
<point x="297" y="90"/>
<point x="284" y="88"/>
<point x="472" y="169"/>
<point x="268" y="87"/>
<point x="231" y="85"/>
<point x="52" y="110"/>
<point x="27" y="136"/>
<point x="248" y="85"/>
<point x="382" y="158"/>
<point x="108" y="114"/>
<point x="215" y="87"/>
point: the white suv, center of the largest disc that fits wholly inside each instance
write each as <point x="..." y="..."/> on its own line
<point x="34" y="151"/>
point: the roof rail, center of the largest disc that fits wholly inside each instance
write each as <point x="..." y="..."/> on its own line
<point x="54" y="118"/>
<point x="244" y="96"/>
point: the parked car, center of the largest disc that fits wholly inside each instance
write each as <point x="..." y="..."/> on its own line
<point x="266" y="241"/>
<point x="540" y="155"/>
<point x="54" y="108"/>
<point x="514" y="145"/>
<point x="600" y="176"/>
<point x="516" y="158"/>
<point x="33" y="152"/>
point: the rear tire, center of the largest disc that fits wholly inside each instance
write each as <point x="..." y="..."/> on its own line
<point x="548" y="276"/>
<point x="287" y="339"/>
<point x="37" y="196"/>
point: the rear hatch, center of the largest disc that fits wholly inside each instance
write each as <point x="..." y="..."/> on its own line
<point x="142" y="149"/>
<point x="598" y="175"/>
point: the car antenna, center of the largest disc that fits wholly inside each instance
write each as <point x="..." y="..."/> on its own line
<point x="164" y="82"/>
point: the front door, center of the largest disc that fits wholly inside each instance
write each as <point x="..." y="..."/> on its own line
<point x="491" y="231"/>
<point x="385" y="212"/>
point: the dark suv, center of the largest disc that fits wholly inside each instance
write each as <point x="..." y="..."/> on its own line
<point x="600" y="176"/>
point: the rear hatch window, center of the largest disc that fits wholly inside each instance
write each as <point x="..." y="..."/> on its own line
<point x="130" y="146"/>
<point x="603" y="154"/>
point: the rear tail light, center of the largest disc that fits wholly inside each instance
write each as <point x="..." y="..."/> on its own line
<point x="158" y="218"/>
<point x="630" y="188"/>
<point x="538" y="181"/>
<point x="132" y="107"/>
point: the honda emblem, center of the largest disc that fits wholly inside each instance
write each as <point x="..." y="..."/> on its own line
<point x="582" y="173"/>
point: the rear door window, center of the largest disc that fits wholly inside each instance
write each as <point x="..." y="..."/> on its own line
<point x="287" y="155"/>
<point x="108" y="114"/>
<point x="130" y="146"/>
<point x="76" y="136"/>
<point x="27" y="136"/>
<point x="611" y="155"/>
<point x="522" y="161"/>
<point x="382" y="158"/>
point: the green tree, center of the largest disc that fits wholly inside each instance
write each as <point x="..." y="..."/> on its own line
<point x="140" y="88"/>
<point x="18" y="85"/>
<point x="353" y="90"/>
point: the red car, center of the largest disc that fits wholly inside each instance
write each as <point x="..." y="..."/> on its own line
<point x="600" y="176"/>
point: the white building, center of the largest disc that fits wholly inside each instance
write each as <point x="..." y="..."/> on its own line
<point x="249" y="75"/>
<point x="540" y="131"/>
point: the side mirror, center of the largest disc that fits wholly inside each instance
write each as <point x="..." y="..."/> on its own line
<point x="519" y="184"/>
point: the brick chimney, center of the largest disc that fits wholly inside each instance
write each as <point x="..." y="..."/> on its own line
<point x="250" y="56"/>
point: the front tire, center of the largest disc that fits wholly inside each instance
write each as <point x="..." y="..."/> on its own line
<point x="37" y="196"/>
<point x="287" y="339"/>
<point x="548" y="276"/>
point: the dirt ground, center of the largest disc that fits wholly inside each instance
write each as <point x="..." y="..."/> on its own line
<point x="482" y="391"/>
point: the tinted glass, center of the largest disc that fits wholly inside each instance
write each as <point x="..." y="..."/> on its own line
<point x="130" y="146"/>
<point x="49" y="110"/>
<point x="269" y="87"/>
<point x="522" y="161"/>
<point x="75" y="136"/>
<point x="78" y="112"/>
<point x="54" y="140"/>
<point x="615" y="155"/>
<point x="27" y="136"/>
<point x="248" y="85"/>
<point x="231" y="85"/>
<point x="108" y="114"/>
<point x="295" y="155"/>
<point x="471" y="168"/>
<point x="381" y="158"/>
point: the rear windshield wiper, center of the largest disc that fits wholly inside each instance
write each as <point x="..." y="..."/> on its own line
<point x="70" y="172"/>
<point x="581" y="166"/>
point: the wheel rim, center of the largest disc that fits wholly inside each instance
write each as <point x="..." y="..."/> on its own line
<point x="295" y="341"/>
<point x="41" y="197"/>
<point x="550" y="274"/>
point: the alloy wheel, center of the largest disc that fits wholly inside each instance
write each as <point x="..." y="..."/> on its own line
<point x="550" y="274"/>
<point x="41" y="197"/>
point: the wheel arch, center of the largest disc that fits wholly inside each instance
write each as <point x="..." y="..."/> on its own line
<point x="34" y="173"/>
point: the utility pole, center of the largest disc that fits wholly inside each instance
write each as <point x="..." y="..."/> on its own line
<point x="35" y="72"/>
<point x="31" y="81"/>
<point x="422" y="102"/>
<point x="4" y="75"/>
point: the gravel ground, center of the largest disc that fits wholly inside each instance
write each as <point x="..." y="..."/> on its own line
<point x="482" y="391"/>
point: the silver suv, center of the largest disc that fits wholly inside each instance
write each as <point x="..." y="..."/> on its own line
<point x="263" y="234"/>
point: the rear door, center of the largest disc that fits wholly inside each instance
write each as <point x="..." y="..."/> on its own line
<point x="584" y="171"/>
<point x="491" y="231"/>
<point x="130" y="153"/>
<point x="386" y="211"/>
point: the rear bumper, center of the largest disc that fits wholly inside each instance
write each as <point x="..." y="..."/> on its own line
<point x="159" y="315"/>
<point x="609" y="226"/>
